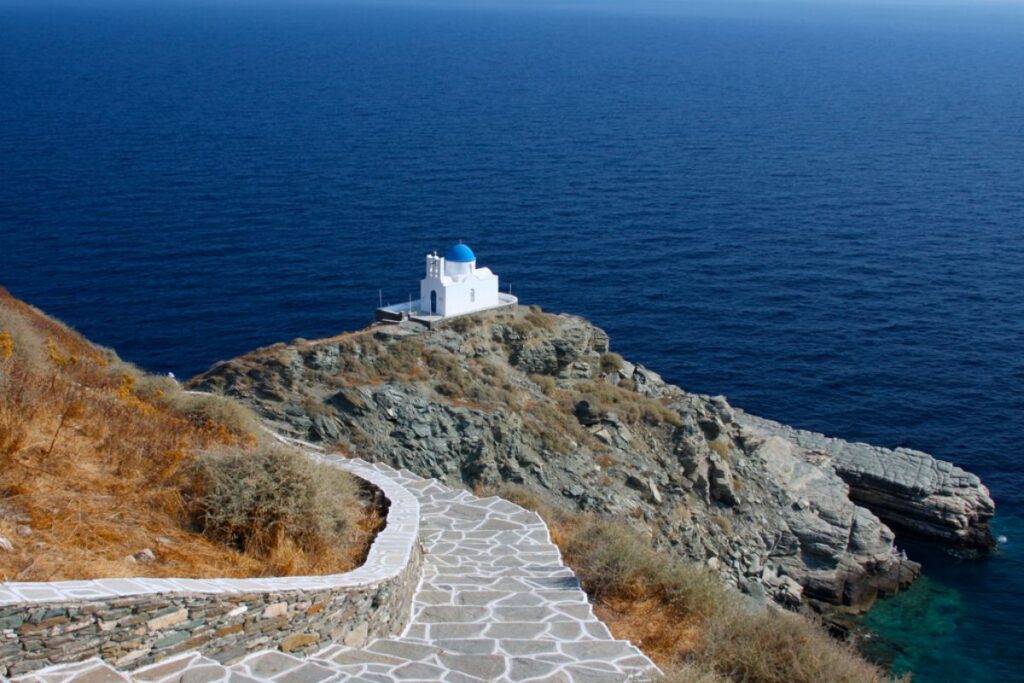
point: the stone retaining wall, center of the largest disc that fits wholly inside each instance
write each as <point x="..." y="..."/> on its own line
<point x="132" y="622"/>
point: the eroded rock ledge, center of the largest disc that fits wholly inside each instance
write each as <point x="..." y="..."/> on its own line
<point x="906" y="488"/>
<point x="537" y="400"/>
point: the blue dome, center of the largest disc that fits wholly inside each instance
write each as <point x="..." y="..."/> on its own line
<point x="460" y="253"/>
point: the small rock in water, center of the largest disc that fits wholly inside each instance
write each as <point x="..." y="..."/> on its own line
<point x="6" y="544"/>
<point x="1002" y="540"/>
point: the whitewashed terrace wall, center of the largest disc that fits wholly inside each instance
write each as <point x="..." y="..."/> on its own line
<point x="136" y="621"/>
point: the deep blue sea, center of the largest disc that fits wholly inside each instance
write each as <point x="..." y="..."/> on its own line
<point x="817" y="212"/>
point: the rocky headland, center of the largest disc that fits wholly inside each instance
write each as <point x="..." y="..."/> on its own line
<point x="539" y="401"/>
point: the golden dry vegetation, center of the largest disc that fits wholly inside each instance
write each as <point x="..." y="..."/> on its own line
<point x="683" y="617"/>
<point x="98" y="462"/>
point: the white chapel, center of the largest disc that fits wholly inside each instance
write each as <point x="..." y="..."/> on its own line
<point x="453" y="285"/>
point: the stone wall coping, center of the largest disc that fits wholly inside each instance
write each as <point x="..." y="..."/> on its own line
<point x="388" y="556"/>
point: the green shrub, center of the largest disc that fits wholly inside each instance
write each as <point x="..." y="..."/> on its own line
<point x="253" y="500"/>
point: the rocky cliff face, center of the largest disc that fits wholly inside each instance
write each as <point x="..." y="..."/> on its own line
<point x="906" y="488"/>
<point x="537" y="400"/>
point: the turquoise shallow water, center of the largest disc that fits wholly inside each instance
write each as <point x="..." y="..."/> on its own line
<point x="920" y="621"/>
<point x="817" y="212"/>
<point x="956" y="604"/>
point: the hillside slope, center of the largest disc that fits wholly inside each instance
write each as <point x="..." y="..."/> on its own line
<point x="98" y="462"/>
<point x="539" y="400"/>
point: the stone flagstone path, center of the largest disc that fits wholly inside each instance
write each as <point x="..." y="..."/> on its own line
<point x="495" y="603"/>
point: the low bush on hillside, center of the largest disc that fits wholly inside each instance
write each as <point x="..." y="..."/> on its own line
<point x="271" y="501"/>
<point x="18" y="408"/>
<point x="721" y="446"/>
<point x="202" y="410"/>
<point x="611" y="362"/>
<point x="546" y="383"/>
<point x="465" y="323"/>
<point x="553" y="429"/>
<point x="398" y="360"/>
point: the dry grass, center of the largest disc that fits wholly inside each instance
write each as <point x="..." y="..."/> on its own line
<point x="538" y="319"/>
<point x="611" y="362"/>
<point x="684" y="618"/>
<point x="202" y="411"/>
<point x="474" y="383"/>
<point x="720" y="446"/>
<point x="616" y="565"/>
<point x="779" y="647"/>
<point x="632" y="407"/>
<point x="464" y="324"/>
<point x="556" y="431"/>
<point x="526" y="321"/>
<point x="547" y="384"/>
<point x="273" y="503"/>
<point x="366" y="360"/>
<point x="92" y="455"/>
<point x="691" y="673"/>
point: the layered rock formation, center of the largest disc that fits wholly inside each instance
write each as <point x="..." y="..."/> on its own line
<point x="535" y="400"/>
<point x="906" y="488"/>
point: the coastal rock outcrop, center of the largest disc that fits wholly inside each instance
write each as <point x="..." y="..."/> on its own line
<point x="907" y="488"/>
<point x="537" y="401"/>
